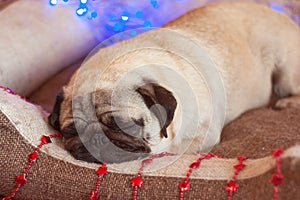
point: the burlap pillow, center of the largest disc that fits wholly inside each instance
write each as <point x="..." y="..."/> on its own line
<point x="38" y="40"/>
<point x="56" y="175"/>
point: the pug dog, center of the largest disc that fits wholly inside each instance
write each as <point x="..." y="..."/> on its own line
<point x="175" y="88"/>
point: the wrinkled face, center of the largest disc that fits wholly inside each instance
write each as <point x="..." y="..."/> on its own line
<point x="97" y="129"/>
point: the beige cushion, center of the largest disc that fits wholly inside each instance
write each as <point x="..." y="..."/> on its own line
<point x="38" y="40"/>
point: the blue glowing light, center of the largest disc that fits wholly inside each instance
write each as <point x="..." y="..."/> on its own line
<point x="81" y="11"/>
<point x="118" y="16"/>
<point x="119" y="27"/>
<point x="278" y="8"/>
<point x="147" y="24"/>
<point x="94" y="14"/>
<point x="155" y="4"/>
<point x="53" y="2"/>
<point x="121" y="19"/>
<point x="139" y="14"/>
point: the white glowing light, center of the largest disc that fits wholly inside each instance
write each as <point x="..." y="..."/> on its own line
<point x="53" y="2"/>
<point x="125" y="18"/>
<point x="81" y="11"/>
<point x="83" y="1"/>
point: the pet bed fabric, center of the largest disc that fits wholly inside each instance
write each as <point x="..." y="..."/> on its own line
<point x="56" y="175"/>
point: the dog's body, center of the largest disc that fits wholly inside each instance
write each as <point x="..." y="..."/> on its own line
<point x="254" y="49"/>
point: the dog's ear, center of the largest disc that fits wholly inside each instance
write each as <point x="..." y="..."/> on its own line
<point x="155" y="94"/>
<point x="54" y="117"/>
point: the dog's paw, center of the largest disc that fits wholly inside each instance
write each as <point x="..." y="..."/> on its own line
<point x="288" y="102"/>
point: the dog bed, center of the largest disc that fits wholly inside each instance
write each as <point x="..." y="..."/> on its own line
<point x="56" y="175"/>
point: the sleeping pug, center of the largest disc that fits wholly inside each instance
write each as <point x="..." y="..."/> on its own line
<point x="175" y="88"/>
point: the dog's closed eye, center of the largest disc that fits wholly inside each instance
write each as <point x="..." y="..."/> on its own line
<point x="119" y="123"/>
<point x="124" y="131"/>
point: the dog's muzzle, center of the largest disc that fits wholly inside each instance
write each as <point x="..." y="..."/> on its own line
<point x="98" y="143"/>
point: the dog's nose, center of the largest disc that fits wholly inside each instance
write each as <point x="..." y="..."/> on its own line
<point x="70" y="131"/>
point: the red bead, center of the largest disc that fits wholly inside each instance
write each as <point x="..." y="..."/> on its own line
<point x="55" y="135"/>
<point x="9" y="91"/>
<point x="137" y="182"/>
<point x="277" y="179"/>
<point x="148" y="161"/>
<point x="94" y="196"/>
<point x="195" y="165"/>
<point x="7" y="198"/>
<point x="33" y="157"/>
<point x="188" y="175"/>
<point x="21" y="180"/>
<point x="277" y="153"/>
<point x="239" y="167"/>
<point x="232" y="186"/>
<point x="185" y="186"/>
<point x="181" y="196"/>
<point x="45" y="139"/>
<point x="242" y="158"/>
<point x="208" y="156"/>
<point x="102" y="171"/>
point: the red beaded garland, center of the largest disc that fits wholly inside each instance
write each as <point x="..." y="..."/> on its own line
<point x="232" y="186"/>
<point x="138" y="181"/>
<point x="33" y="157"/>
<point x="45" y="139"/>
<point x="101" y="172"/>
<point x="277" y="177"/>
<point x="21" y="180"/>
<point x="10" y="91"/>
<point x="185" y="185"/>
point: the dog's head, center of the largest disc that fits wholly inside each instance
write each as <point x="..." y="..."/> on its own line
<point x="98" y="129"/>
